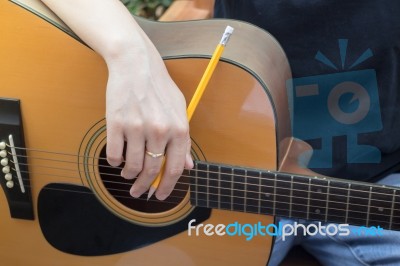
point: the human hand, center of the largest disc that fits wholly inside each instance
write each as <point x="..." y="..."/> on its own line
<point x="146" y="110"/>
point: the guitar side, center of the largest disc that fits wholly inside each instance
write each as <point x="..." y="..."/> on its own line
<point x="62" y="94"/>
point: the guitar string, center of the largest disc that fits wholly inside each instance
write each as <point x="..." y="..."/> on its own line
<point x="206" y="172"/>
<point x="198" y="177"/>
<point x="261" y="193"/>
<point x="260" y="171"/>
<point x="244" y="176"/>
<point x="55" y="152"/>
<point x="294" y="197"/>
<point x="69" y="162"/>
<point x="183" y="183"/>
<point x="218" y="173"/>
<point x="246" y="206"/>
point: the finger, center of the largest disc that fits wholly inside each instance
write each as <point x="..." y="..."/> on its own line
<point x="189" y="160"/>
<point x="176" y="158"/>
<point x="134" y="156"/>
<point x="115" y="145"/>
<point x="151" y="167"/>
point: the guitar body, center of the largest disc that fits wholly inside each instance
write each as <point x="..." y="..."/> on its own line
<point x="60" y="84"/>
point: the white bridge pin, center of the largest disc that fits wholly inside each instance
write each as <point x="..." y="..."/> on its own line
<point x="6" y="169"/>
<point x="4" y="162"/>
<point x="8" y="177"/>
<point x="3" y="153"/>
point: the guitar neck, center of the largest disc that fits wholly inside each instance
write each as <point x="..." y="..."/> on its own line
<point x="294" y="196"/>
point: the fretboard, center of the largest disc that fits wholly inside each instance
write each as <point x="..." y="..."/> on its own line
<point x="294" y="196"/>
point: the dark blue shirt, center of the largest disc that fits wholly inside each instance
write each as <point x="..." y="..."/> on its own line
<point x="345" y="93"/>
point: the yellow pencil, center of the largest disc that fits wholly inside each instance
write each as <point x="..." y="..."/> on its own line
<point x="197" y="94"/>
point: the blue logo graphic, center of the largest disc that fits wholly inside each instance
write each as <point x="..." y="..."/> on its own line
<point x="338" y="104"/>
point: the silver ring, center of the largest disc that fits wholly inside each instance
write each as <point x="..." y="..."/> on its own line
<point x="154" y="155"/>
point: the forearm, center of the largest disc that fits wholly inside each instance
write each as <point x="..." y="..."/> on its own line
<point x="144" y="107"/>
<point x="106" y="26"/>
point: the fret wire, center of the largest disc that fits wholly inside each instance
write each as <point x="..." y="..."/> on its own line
<point x="327" y="201"/>
<point x="208" y="186"/>
<point x="291" y="196"/>
<point x="259" y="192"/>
<point x="308" y="198"/>
<point x="245" y="190"/>
<point x="232" y="189"/>
<point x="369" y="205"/>
<point x="274" y="200"/>
<point x="196" y="181"/>
<point x="392" y="210"/>
<point x="219" y="187"/>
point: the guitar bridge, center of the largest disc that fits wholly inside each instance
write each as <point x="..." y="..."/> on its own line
<point x="14" y="168"/>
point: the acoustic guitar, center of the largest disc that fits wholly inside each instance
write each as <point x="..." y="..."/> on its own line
<point x="62" y="204"/>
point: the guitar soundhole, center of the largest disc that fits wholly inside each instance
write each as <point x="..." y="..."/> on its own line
<point x="119" y="188"/>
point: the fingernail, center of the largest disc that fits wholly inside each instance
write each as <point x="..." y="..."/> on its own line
<point x="123" y="173"/>
<point x="114" y="162"/>
<point x="161" y="196"/>
<point x="134" y="193"/>
<point x="126" y="176"/>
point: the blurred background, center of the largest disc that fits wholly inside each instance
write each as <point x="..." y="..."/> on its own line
<point x="151" y="9"/>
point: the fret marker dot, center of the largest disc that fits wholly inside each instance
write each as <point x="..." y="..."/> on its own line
<point x="267" y="195"/>
<point x="317" y="211"/>
<point x="380" y="209"/>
